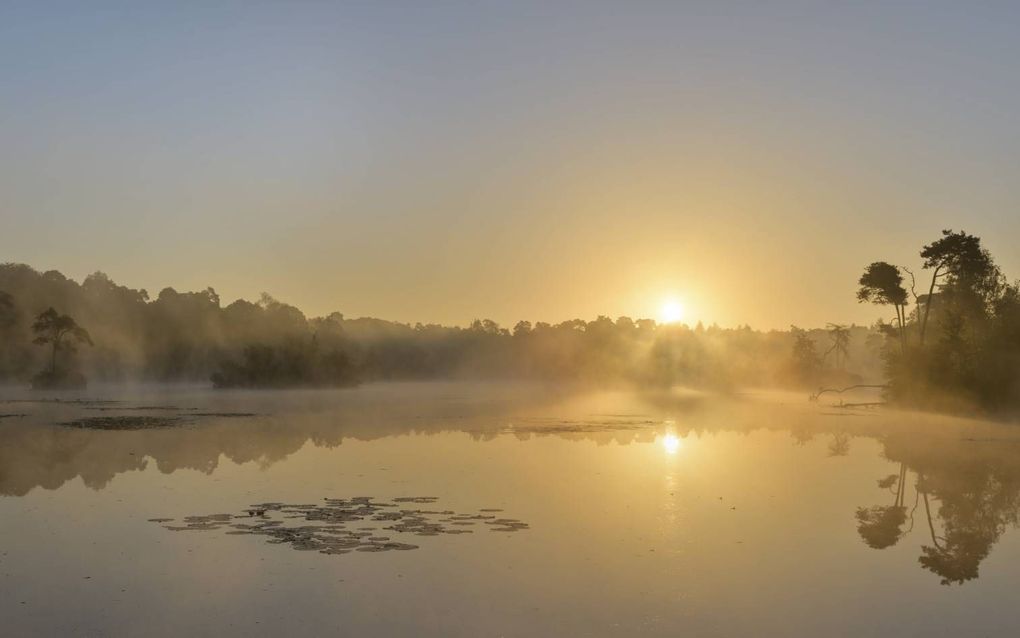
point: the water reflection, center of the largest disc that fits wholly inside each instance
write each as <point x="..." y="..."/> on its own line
<point x="969" y="495"/>
<point x="954" y="485"/>
<point x="54" y="443"/>
<point x="880" y="526"/>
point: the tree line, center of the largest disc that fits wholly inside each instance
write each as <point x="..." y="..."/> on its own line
<point x="192" y="336"/>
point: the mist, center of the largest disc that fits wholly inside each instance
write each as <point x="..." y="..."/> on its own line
<point x="194" y="337"/>
<point x="433" y="319"/>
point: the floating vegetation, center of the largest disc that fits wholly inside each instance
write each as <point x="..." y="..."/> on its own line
<point x="82" y="402"/>
<point x="140" y="408"/>
<point x="146" y="422"/>
<point x="341" y="526"/>
<point x="11" y="416"/>
<point x="169" y="408"/>
<point x="536" y="425"/>
<point x="223" y="415"/>
<point x="507" y="525"/>
<point x="133" y="422"/>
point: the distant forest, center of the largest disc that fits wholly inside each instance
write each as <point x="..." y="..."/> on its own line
<point x="124" y="334"/>
<point x="954" y="344"/>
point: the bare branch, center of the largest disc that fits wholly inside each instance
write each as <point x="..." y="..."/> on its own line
<point x="913" y="283"/>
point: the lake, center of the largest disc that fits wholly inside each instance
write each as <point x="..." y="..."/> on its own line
<point x="472" y="509"/>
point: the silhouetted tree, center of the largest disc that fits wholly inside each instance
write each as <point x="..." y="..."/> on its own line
<point x="840" y="337"/>
<point x="957" y="258"/>
<point x="882" y="284"/>
<point x="61" y="333"/>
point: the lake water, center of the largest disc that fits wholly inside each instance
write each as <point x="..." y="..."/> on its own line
<point x="451" y="509"/>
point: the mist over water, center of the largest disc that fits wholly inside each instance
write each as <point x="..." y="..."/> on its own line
<point x="651" y="512"/>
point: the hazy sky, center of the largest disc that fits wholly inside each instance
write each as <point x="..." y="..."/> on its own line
<point x="446" y="161"/>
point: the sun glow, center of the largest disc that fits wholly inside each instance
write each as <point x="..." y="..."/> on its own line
<point x="671" y="443"/>
<point x="672" y="311"/>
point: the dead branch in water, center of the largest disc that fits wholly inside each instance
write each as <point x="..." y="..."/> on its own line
<point x="821" y="391"/>
<point x="872" y="404"/>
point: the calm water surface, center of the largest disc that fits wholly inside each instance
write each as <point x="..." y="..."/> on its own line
<point x="619" y="514"/>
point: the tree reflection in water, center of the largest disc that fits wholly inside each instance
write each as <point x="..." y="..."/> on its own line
<point x="881" y="525"/>
<point x="970" y="492"/>
<point x="965" y="475"/>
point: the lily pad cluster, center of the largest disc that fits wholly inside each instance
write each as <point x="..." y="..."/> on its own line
<point x="341" y="526"/>
<point x="146" y="422"/>
<point x="134" y="422"/>
<point x="538" y="425"/>
<point x="78" y="402"/>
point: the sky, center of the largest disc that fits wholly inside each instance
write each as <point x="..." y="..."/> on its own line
<point x="445" y="161"/>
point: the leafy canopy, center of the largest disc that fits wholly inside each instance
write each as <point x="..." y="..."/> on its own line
<point x="52" y="327"/>
<point x="882" y="283"/>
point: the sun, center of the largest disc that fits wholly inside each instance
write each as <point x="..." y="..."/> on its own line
<point x="671" y="443"/>
<point x="672" y="311"/>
